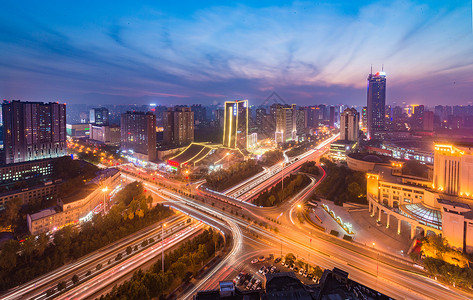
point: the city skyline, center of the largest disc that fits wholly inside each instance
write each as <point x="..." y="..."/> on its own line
<point x="308" y="53"/>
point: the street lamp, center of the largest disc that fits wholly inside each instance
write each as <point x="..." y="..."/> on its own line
<point x="162" y="245"/>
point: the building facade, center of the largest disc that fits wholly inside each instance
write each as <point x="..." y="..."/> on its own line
<point x="109" y="135"/>
<point x="376" y="103"/>
<point x="33" y="130"/>
<point x="443" y="206"/>
<point x="349" y="125"/>
<point x="178" y="126"/>
<point x="76" y="209"/>
<point x="286" y="129"/>
<point x="138" y="135"/>
<point x="235" y="131"/>
<point x="98" y="116"/>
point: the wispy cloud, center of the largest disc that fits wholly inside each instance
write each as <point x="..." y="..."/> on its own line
<point x="309" y="52"/>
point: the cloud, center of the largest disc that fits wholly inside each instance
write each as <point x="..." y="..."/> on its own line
<point x="309" y="52"/>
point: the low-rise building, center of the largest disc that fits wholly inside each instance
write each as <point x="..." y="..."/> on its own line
<point x="443" y="205"/>
<point x="80" y="130"/>
<point x="26" y="195"/>
<point x="77" y="208"/>
<point x="109" y="135"/>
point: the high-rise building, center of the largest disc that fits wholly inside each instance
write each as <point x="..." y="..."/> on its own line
<point x="33" y="130"/>
<point x="376" y="103"/>
<point x="428" y="121"/>
<point x="418" y="117"/>
<point x="285" y="123"/>
<point x="200" y="113"/>
<point x="138" y="135"/>
<point x="235" y="131"/>
<point x="178" y="126"/>
<point x="260" y="113"/>
<point x="98" y="116"/>
<point x="349" y="125"/>
<point x="332" y="117"/>
<point x="301" y="120"/>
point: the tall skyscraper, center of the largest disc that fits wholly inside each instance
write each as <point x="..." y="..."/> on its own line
<point x="138" y="134"/>
<point x="179" y="126"/>
<point x="332" y="117"/>
<point x="235" y="131"/>
<point x="285" y="123"/>
<point x="98" y="116"/>
<point x="33" y="130"/>
<point x="349" y="125"/>
<point x="376" y="104"/>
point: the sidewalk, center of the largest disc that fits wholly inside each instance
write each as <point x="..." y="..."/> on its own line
<point x="364" y="227"/>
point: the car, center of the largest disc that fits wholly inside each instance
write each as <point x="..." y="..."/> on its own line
<point x="291" y="266"/>
<point x="254" y="261"/>
<point x="249" y="285"/>
<point x="304" y="274"/>
<point x="261" y="258"/>
<point x="286" y="264"/>
<point x="295" y="269"/>
<point x="261" y="269"/>
<point x="266" y="270"/>
<point x="379" y="224"/>
<point x="301" y="271"/>
<point x="315" y="279"/>
<point x="309" y="277"/>
<point x="273" y="269"/>
<point x="277" y="260"/>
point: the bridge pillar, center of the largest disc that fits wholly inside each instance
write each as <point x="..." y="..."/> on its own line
<point x="387" y="223"/>
<point x="379" y="215"/>
<point x="398" y="226"/>
<point x="413" y="230"/>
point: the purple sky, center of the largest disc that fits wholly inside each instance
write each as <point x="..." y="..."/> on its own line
<point x="176" y="53"/>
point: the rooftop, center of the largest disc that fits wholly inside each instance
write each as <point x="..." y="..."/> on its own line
<point x="44" y="213"/>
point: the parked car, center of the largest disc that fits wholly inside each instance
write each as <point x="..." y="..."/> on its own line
<point x="254" y="261"/>
<point x="295" y="269"/>
<point x="277" y="260"/>
<point x="261" y="269"/>
<point x="261" y="258"/>
<point x="273" y="269"/>
<point x="292" y="267"/>
<point x="301" y="271"/>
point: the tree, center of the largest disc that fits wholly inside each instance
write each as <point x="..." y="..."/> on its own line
<point x="11" y="212"/>
<point x="128" y="250"/>
<point x="99" y="266"/>
<point x="8" y="255"/>
<point x="29" y="246"/>
<point x="41" y="244"/>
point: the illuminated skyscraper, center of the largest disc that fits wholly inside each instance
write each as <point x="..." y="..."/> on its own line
<point x="235" y="131"/>
<point x="33" y="130"/>
<point x="376" y="104"/>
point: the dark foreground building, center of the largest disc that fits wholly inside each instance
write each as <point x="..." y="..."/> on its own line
<point x="334" y="284"/>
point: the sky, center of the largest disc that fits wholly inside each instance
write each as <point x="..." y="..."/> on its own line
<point x="184" y="52"/>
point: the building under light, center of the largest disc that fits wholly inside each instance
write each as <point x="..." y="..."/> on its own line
<point x="286" y="129"/>
<point x="138" y="135"/>
<point x="235" y="131"/>
<point x="443" y="205"/>
<point x="33" y="130"/>
<point x="376" y="105"/>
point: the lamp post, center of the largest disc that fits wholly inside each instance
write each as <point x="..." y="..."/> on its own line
<point x="162" y="245"/>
